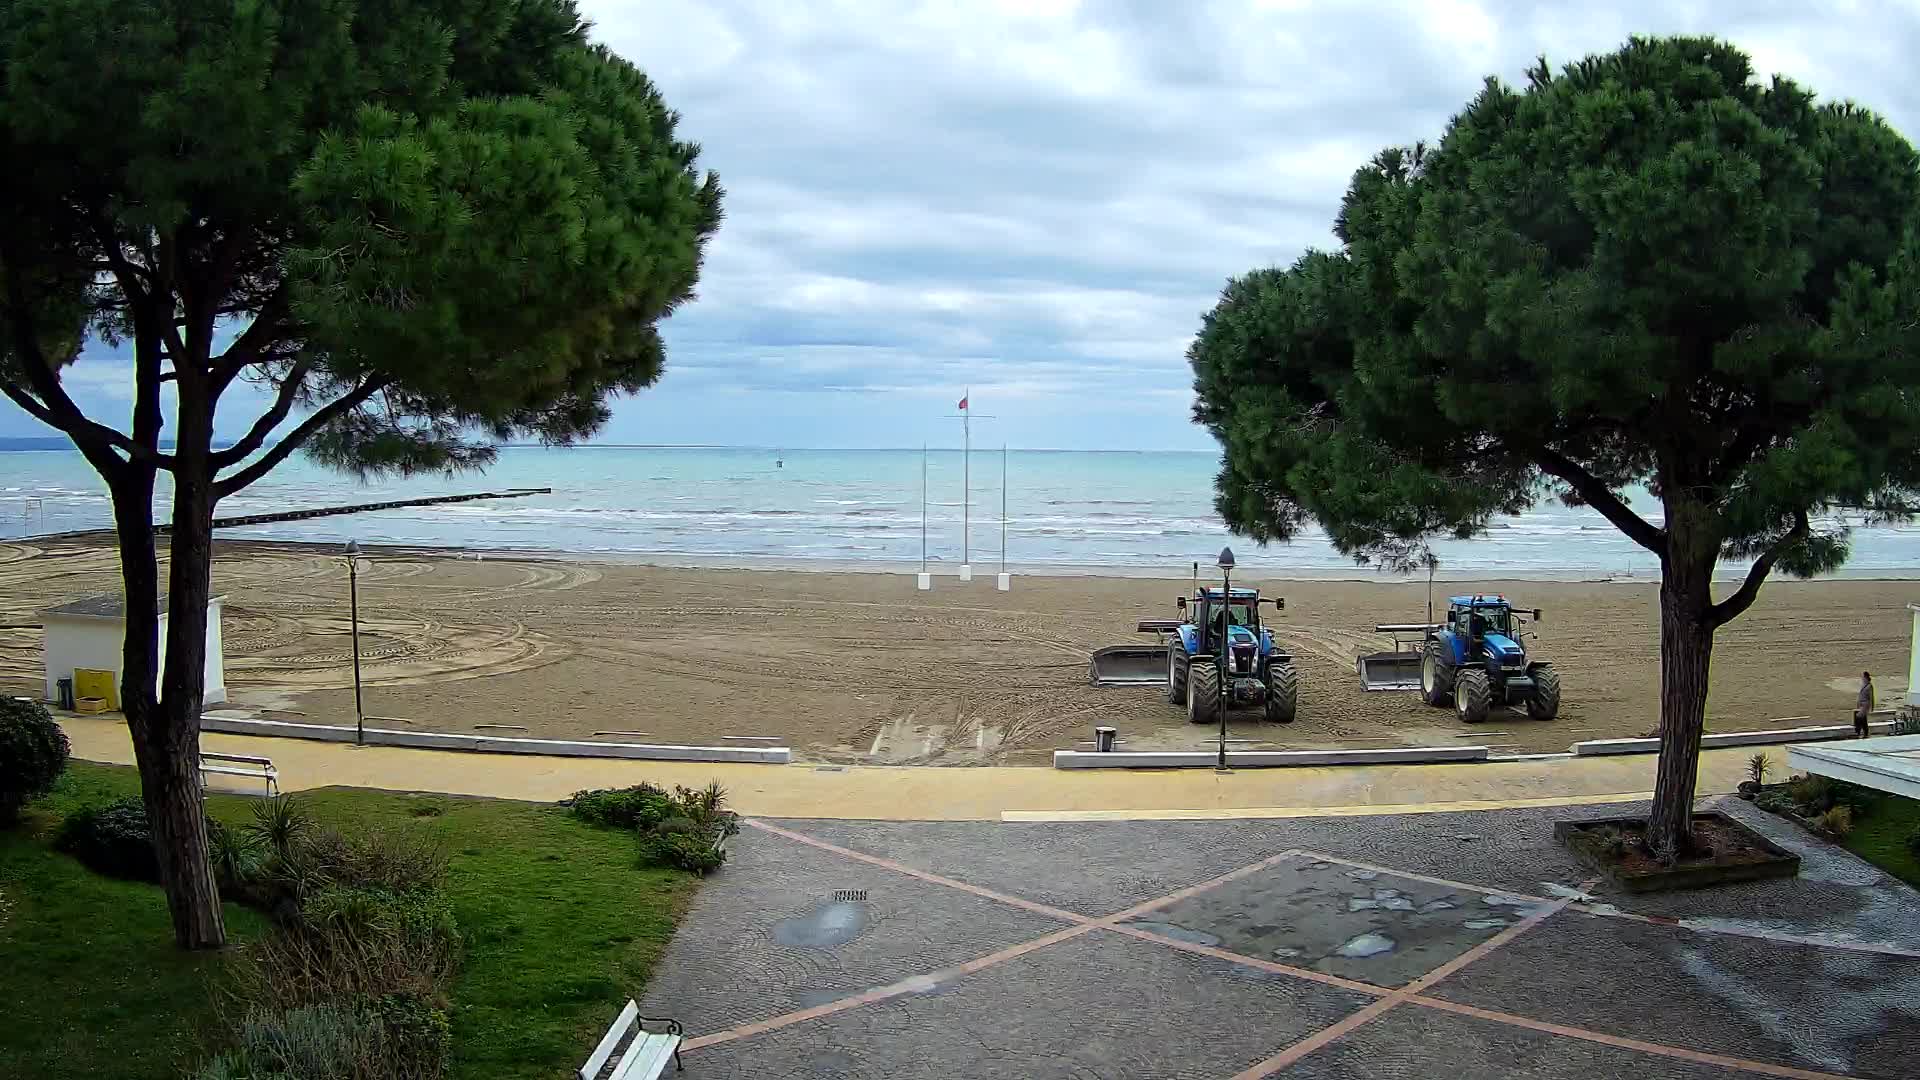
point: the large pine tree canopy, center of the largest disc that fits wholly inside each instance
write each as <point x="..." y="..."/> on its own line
<point x="1651" y="268"/>
<point x="416" y="220"/>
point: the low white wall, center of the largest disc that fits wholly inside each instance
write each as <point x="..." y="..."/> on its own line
<point x="1594" y="747"/>
<point x="435" y="740"/>
<point x="1262" y="759"/>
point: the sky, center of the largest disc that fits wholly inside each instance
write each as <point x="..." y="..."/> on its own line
<point x="1038" y="199"/>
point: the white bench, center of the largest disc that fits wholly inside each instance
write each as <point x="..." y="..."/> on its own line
<point x="643" y="1057"/>
<point x="255" y="768"/>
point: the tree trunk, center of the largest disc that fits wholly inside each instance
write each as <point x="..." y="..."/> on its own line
<point x="1686" y="655"/>
<point x="166" y="726"/>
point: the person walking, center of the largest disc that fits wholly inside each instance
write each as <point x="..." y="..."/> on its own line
<point x="1864" y="706"/>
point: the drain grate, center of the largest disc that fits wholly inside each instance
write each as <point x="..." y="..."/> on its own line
<point x="848" y="896"/>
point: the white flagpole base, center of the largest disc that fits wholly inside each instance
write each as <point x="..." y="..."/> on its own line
<point x="923" y="582"/>
<point x="1003" y="582"/>
<point x="966" y="571"/>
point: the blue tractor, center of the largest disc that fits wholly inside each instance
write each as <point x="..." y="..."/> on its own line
<point x="1258" y="672"/>
<point x="1476" y="660"/>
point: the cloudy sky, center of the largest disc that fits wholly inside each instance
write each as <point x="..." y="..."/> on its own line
<point x="1038" y="199"/>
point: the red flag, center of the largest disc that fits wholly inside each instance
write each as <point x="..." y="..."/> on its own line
<point x="963" y="404"/>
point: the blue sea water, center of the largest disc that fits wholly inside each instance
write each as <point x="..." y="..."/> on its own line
<point x="1147" y="513"/>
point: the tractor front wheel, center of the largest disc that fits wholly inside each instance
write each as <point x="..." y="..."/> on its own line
<point x="1177" y="674"/>
<point x="1203" y="693"/>
<point x="1472" y="695"/>
<point x="1283" y="693"/>
<point x="1545" y="702"/>
<point x="1436" y="677"/>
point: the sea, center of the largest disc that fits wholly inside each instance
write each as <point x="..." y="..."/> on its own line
<point x="1038" y="511"/>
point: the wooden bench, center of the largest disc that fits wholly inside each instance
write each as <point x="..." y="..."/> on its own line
<point x="256" y="768"/>
<point x="633" y="1052"/>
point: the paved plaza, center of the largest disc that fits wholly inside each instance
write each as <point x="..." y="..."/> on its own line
<point x="1455" y="945"/>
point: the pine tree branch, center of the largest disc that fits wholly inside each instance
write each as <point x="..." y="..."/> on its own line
<point x="296" y="438"/>
<point x="1733" y="606"/>
<point x="1600" y="497"/>
<point x="257" y="434"/>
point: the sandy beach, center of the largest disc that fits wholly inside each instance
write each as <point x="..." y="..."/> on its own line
<point x="860" y="667"/>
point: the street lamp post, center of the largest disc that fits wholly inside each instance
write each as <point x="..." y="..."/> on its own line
<point x="353" y="609"/>
<point x="1226" y="652"/>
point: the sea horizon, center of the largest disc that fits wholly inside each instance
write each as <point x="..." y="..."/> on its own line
<point x="1136" y="513"/>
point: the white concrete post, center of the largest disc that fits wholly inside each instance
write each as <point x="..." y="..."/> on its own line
<point x="1003" y="582"/>
<point x="923" y="582"/>
<point x="966" y="571"/>
<point x="1913" y="660"/>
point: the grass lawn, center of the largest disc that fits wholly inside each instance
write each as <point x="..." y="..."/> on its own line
<point x="560" y="928"/>
<point x="1881" y="838"/>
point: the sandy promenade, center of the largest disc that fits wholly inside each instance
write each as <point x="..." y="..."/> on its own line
<point x="861" y="667"/>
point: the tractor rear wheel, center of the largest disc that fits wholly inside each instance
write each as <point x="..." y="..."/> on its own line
<point x="1283" y="693"/>
<point x="1436" y="677"/>
<point x="1177" y="674"/>
<point x="1472" y="695"/>
<point x="1545" y="702"/>
<point x="1203" y="693"/>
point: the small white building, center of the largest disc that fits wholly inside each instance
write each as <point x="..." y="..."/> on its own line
<point x="90" y="633"/>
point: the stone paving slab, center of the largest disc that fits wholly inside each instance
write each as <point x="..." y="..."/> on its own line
<point x="1412" y="1043"/>
<point x="1360" y="924"/>
<point x="765" y="935"/>
<point x="1812" y="1008"/>
<point x="1091" y="868"/>
<point x="1097" y="1007"/>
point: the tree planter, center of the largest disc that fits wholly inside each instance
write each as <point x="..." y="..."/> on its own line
<point x="1738" y="854"/>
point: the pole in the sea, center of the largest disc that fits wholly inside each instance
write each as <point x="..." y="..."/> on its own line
<point x="353" y="618"/>
<point x="1226" y="652"/>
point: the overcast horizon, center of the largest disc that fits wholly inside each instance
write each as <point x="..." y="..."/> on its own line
<point x="1035" y="202"/>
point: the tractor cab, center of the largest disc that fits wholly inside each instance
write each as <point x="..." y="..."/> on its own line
<point x="1213" y="613"/>
<point x="1489" y="627"/>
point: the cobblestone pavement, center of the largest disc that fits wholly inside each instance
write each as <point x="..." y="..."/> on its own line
<point x="1437" y="945"/>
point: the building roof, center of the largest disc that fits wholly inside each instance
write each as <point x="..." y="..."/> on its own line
<point x="108" y="606"/>
<point x="1889" y="763"/>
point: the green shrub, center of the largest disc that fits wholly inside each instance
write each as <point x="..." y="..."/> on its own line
<point x="113" y="839"/>
<point x="1838" y="820"/>
<point x="689" y="837"/>
<point x="416" y="1034"/>
<point x="319" y="1042"/>
<point x="278" y="824"/>
<point x="1907" y="723"/>
<point x="1913" y="843"/>
<point x="320" y="859"/>
<point x="1813" y="794"/>
<point x="33" y="754"/>
<point x="639" y="806"/>
<point x="685" y="849"/>
<point x="1758" y="766"/>
<point x="237" y="859"/>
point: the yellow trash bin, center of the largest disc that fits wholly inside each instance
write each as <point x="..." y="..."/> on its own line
<point x="97" y="683"/>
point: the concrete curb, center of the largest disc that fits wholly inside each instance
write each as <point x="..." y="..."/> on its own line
<point x="1593" y="747"/>
<point x="1262" y="759"/>
<point x="494" y="744"/>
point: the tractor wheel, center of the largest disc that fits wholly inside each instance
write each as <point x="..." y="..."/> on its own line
<point x="1203" y="693"/>
<point x="1436" y="677"/>
<point x="1545" y="702"/>
<point x="1283" y="693"/>
<point x="1472" y="694"/>
<point x="1177" y="675"/>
